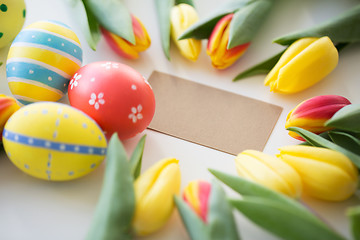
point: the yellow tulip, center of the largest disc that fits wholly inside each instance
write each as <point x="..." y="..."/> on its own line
<point x="325" y="173"/>
<point x="304" y="63"/>
<point x="183" y="16"/>
<point x="269" y="171"/>
<point x="154" y="190"/>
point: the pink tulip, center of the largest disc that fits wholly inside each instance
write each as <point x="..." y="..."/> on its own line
<point x="312" y="114"/>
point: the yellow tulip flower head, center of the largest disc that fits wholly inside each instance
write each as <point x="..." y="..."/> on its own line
<point x="326" y="174"/>
<point x="183" y="16"/>
<point x="154" y="191"/>
<point x="269" y="171"/>
<point x="304" y="63"/>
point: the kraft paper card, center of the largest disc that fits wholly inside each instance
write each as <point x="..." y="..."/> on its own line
<point x="210" y="117"/>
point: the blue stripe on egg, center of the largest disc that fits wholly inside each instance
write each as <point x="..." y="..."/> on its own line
<point x="41" y="37"/>
<point x="47" y="144"/>
<point x="30" y="71"/>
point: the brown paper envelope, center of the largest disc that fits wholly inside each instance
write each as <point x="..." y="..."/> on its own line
<point x="210" y="117"/>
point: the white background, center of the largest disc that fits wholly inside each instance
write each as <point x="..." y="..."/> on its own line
<point x="36" y="209"/>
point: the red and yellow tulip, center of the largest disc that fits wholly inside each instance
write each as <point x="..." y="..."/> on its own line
<point x="8" y="106"/>
<point x="221" y="56"/>
<point x="125" y="48"/>
<point x="196" y="195"/>
<point x="312" y="113"/>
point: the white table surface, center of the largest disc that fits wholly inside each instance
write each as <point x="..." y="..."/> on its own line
<point x="36" y="209"/>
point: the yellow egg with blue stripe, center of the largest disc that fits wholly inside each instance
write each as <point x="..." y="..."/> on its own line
<point x="53" y="141"/>
<point x="41" y="61"/>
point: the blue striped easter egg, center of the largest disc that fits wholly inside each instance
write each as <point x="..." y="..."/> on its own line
<point x="41" y="61"/>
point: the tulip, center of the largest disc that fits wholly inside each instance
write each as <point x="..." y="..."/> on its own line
<point x="8" y="106"/>
<point x="154" y="192"/>
<point x="221" y="56"/>
<point x="304" y="63"/>
<point x="125" y="48"/>
<point x="325" y="173"/>
<point x="269" y="171"/>
<point x="196" y="195"/>
<point x="312" y="113"/>
<point x="183" y="16"/>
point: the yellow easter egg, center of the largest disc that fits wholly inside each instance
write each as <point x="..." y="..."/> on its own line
<point x="12" y="17"/>
<point x="53" y="141"/>
<point x="41" y="61"/>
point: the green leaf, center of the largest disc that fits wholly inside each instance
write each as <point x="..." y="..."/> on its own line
<point x="116" y="205"/>
<point x="136" y="158"/>
<point x="220" y="217"/>
<point x="318" y="141"/>
<point x="194" y="225"/>
<point x="189" y="2"/>
<point x="248" y="188"/>
<point x="277" y="219"/>
<point x="1" y="63"/>
<point x="346" y="140"/>
<point x="261" y="68"/>
<point x="347" y="118"/>
<point x="163" y="8"/>
<point x="341" y="29"/>
<point x="323" y="135"/>
<point x="203" y="28"/>
<point x="247" y="22"/>
<point x="353" y="214"/>
<point x="114" y="16"/>
<point x="88" y="23"/>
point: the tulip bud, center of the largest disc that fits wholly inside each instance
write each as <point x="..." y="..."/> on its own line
<point x="154" y="192"/>
<point x="312" y="114"/>
<point x="196" y="195"/>
<point x="304" y="63"/>
<point x="269" y="171"/>
<point x="183" y="16"/>
<point x="8" y="106"/>
<point x="221" y="56"/>
<point x="125" y="48"/>
<point x="325" y="173"/>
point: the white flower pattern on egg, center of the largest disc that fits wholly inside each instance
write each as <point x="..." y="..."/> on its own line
<point x="136" y="113"/>
<point x="97" y="100"/>
<point x="109" y="65"/>
<point x="74" y="81"/>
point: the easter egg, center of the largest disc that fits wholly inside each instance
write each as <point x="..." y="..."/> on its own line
<point x="115" y="95"/>
<point x="53" y="141"/>
<point x="41" y="61"/>
<point x="12" y="17"/>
